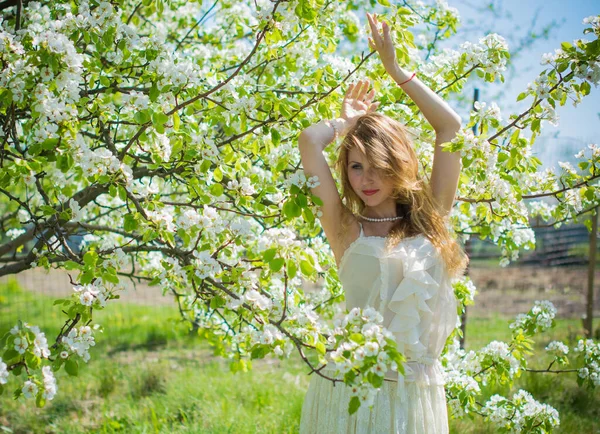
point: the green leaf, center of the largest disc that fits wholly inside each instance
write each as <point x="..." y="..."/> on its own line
<point x="112" y="191"/>
<point x="354" y="405"/>
<point x="142" y="117"/>
<point x="87" y="277"/>
<point x="269" y="254"/>
<point x="104" y="81"/>
<point x="90" y="258"/>
<point x="154" y="93"/>
<point x="218" y="174"/>
<point x="306" y="268"/>
<point x="48" y="210"/>
<point x="515" y="136"/>
<point x="308" y="215"/>
<point x="33" y="361"/>
<point x="260" y="351"/>
<point x="320" y="347"/>
<point x="375" y="379"/>
<point x="17" y="393"/>
<point x="276" y="264"/>
<point x="562" y="67"/>
<point x="71" y="265"/>
<point x="109" y="277"/>
<point x="585" y="88"/>
<point x="358" y="338"/>
<point x="275" y="136"/>
<point x="301" y="200"/>
<point x="72" y="367"/>
<point x="217" y="302"/>
<point x="292" y="268"/>
<point x="316" y="200"/>
<point x="159" y="119"/>
<point x="291" y="209"/>
<point x="130" y="223"/>
<point x="64" y="162"/>
<point x="176" y="121"/>
<point x="589" y="194"/>
<point x="305" y="11"/>
<point x="10" y="354"/>
<point x="216" y="189"/>
<point x="122" y="193"/>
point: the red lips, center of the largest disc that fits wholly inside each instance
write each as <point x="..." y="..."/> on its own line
<point x="370" y="192"/>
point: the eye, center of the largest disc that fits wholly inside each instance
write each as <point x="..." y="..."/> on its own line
<point x="356" y="166"/>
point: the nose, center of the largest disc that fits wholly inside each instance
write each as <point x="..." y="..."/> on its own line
<point x="370" y="174"/>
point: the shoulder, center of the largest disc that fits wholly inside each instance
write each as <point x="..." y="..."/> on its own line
<point x="347" y="233"/>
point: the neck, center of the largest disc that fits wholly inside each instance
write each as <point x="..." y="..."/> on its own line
<point x="382" y="211"/>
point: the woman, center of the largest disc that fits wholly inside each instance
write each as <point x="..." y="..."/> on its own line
<point x="389" y="235"/>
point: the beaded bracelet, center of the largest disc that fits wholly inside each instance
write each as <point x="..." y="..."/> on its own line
<point x="336" y="133"/>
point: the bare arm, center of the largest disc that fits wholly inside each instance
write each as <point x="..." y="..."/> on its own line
<point x="437" y="112"/>
<point x="313" y="141"/>
<point x="321" y="134"/>
<point x="446" y="167"/>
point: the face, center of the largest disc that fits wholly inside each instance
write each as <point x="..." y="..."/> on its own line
<point x="363" y="178"/>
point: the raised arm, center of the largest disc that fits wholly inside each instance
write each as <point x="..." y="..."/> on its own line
<point x="313" y="141"/>
<point x="445" y="121"/>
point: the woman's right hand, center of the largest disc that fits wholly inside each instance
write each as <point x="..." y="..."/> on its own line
<point x="357" y="102"/>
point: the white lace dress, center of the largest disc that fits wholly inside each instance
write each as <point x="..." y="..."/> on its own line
<point x="409" y="286"/>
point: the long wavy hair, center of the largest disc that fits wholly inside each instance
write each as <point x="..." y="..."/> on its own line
<point x="387" y="147"/>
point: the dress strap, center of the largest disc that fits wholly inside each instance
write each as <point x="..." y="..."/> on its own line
<point x="362" y="234"/>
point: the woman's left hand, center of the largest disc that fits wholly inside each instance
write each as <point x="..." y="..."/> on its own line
<point x="358" y="102"/>
<point x="383" y="44"/>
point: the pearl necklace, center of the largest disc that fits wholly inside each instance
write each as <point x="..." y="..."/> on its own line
<point x="384" y="219"/>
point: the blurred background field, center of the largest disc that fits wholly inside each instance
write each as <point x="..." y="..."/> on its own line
<point x="148" y="375"/>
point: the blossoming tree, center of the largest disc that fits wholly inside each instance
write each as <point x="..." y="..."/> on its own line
<point x="163" y="135"/>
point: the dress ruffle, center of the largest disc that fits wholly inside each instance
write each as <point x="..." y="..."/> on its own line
<point x="409" y="299"/>
<point x="412" y="315"/>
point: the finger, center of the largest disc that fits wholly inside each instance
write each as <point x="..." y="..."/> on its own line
<point x="364" y="84"/>
<point x="369" y="97"/>
<point x="363" y="90"/>
<point x="349" y="90"/>
<point x="374" y="31"/>
<point x="372" y="44"/>
<point x="387" y="36"/>
<point x="355" y="90"/>
<point x="374" y="106"/>
<point x="377" y="36"/>
<point x="370" y="20"/>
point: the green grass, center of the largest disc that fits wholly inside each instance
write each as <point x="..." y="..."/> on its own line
<point x="147" y="375"/>
<point x="579" y="408"/>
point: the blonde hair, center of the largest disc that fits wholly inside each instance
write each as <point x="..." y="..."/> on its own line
<point x="387" y="147"/>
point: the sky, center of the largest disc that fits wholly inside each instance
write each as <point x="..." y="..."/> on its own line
<point x="578" y="126"/>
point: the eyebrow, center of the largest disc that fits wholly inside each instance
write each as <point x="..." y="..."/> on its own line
<point x="354" y="162"/>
